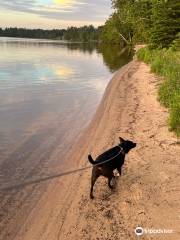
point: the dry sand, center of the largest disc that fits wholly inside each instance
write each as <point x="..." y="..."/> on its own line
<point x="146" y="194"/>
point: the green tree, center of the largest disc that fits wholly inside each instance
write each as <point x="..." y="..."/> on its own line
<point x="165" y="23"/>
<point x="135" y="17"/>
<point x="176" y="43"/>
<point x="110" y="32"/>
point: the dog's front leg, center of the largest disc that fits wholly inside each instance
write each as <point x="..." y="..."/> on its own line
<point x="109" y="181"/>
<point x="119" y="170"/>
<point x="116" y="173"/>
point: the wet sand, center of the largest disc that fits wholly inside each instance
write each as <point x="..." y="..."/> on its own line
<point x="146" y="194"/>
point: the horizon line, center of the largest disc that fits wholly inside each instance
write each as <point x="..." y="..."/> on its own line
<point x="48" y="29"/>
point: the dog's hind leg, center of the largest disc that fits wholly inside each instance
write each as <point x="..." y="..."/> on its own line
<point x="94" y="177"/>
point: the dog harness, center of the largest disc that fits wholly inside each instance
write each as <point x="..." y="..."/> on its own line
<point x="109" y="159"/>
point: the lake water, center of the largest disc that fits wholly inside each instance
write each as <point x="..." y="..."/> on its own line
<point x="49" y="92"/>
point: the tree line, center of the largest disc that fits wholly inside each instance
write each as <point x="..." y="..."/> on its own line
<point x="81" y="34"/>
<point x="156" y="22"/>
<point x="32" y="33"/>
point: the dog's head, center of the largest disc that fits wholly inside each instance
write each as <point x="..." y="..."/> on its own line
<point x="127" y="145"/>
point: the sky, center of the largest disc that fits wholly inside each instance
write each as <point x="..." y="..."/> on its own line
<point x="48" y="14"/>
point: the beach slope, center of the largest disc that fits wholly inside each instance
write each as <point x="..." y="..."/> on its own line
<point x="146" y="194"/>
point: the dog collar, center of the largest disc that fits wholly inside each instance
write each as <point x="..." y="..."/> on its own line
<point x="121" y="150"/>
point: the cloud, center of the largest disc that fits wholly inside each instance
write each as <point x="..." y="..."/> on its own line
<point x="77" y="10"/>
<point x="34" y="7"/>
<point x="64" y="2"/>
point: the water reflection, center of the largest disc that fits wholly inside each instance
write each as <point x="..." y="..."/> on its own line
<point x="64" y="71"/>
<point x="84" y="47"/>
<point x="113" y="56"/>
<point x="49" y="85"/>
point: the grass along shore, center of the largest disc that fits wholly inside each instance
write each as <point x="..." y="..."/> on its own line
<point x="166" y="63"/>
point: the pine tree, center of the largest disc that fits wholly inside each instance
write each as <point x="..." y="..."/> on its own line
<point x="165" y="22"/>
<point x="176" y="43"/>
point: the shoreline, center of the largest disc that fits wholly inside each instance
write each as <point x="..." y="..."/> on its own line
<point x="145" y="195"/>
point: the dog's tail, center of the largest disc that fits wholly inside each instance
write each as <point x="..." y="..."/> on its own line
<point x="91" y="160"/>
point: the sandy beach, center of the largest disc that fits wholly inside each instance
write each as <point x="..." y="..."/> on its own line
<point x="146" y="194"/>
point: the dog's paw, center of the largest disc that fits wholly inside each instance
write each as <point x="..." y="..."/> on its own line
<point x="117" y="174"/>
<point x="91" y="197"/>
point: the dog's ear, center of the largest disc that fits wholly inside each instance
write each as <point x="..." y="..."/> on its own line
<point x="121" y="140"/>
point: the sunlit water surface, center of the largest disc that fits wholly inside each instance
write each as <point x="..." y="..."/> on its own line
<point x="49" y="90"/>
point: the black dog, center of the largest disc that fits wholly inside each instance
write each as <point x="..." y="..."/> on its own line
<point x="108" y="161"/>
